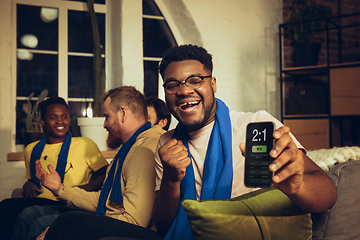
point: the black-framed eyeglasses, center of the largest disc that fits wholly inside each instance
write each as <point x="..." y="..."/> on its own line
<point x="193" y="82"/>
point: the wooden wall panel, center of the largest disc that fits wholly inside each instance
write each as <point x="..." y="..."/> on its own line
<point x="345" y="91"/>
<point x="311" y="133"/>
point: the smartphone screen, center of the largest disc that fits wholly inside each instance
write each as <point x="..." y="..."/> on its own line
<point x="259" y="142"/>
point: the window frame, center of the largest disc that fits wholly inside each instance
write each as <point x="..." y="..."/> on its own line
<point x="161" y="93"/>
<point x="63" y="7"/>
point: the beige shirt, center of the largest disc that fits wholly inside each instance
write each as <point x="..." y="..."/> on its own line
<point x="137" y="184"/>
<point x="198" y="144"/>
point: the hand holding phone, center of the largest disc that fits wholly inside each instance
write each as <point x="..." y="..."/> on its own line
<point x="259" y="142"/>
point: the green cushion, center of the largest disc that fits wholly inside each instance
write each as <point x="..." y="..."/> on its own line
<point x="262" y="214"/>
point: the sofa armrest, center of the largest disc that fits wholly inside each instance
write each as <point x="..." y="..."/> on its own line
<point x="342" y="220"/>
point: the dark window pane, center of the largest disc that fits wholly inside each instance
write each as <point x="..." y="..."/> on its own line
<point x="76" y="109"/>
<point x="80" y="31"/>
<point x="20" y="121"/>
<point x="157" y="37"/>
<point x="150" y="8"/>
<point x="151" y="79"/>
<point x="37" y="27"/>
<point x="81" y="77"/>
<point x="37" y="74"/>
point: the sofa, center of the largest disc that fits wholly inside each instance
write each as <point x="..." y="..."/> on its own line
<point x="233" y="217"/>
<point x="269" y="214"/>
<point x="342" y="221"/>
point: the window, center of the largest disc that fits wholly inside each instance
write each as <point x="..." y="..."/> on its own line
<point x="55" y="52"/>
<point x="157" y="39"/>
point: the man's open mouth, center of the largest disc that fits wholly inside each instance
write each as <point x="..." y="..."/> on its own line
<point x="188" y="105"/>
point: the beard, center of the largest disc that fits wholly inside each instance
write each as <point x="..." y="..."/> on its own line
<point x="208" y="112"/>
<point x="197" y="124"/>
<point x="113" y="140"/>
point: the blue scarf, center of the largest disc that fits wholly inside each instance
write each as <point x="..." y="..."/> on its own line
<point x="61" y="162"/>
<point x="116" y="195"/>
<point x="218" y="170"/>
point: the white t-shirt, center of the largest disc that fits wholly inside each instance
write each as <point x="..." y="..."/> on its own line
<point x="198" y="144"/>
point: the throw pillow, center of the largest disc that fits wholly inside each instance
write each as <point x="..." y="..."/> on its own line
<point x="262" y="214"/>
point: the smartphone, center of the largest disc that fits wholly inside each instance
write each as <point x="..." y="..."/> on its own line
<point x="259" y="142"/>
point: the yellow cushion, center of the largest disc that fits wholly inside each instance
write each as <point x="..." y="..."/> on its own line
<point x="262" y="214"/>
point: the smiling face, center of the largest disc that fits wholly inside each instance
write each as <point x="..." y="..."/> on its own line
<point x="194" y="108"/>
<point x="56" y="123"/>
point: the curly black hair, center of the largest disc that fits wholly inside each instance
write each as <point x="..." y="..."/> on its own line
<point x="50" y="101"/>
<point x="186" y="52"/>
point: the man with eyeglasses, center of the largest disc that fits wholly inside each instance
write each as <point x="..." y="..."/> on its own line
<point x="187" y="163"/>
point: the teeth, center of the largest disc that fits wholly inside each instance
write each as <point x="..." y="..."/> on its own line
<point x="189" y="103"/>
<point x="60" y="128"/>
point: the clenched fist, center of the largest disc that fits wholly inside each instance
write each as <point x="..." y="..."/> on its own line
<point x="174" y="157"/>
